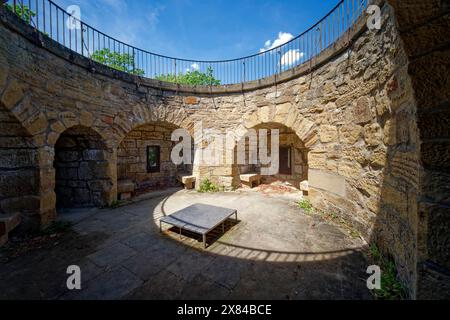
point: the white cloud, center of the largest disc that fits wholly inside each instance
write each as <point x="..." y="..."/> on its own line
<point x="291" y="57"/>
<point x="153" y="15"/>
<point x="283" y="37"/>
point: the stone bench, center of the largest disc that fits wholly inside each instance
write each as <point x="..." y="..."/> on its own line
<point x="304" y="187"/>
<point x="7" y="223"/>
<point x="125" y="189"/>
<point x="251" y="179"/>
<point x="187" y="180"/>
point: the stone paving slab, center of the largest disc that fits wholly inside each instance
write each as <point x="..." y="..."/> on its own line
<point x="275" y="252"/>
<point x="112" y="255"/>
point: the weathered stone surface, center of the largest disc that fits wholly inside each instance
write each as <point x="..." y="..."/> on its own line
<point x="325" y="181"/>
<point x="69" y="119"/>
<point x="3" y="72"/>
<point x="191" y="100"/>
<point x="373" y="134"/>
<point x="349" y="133"/>
<point x="361" y="111"/>
<point x="378" y="158"/>
<point x="12" y="94"/>
<point x="317" y="160"/>
<point x="328" y="133"/>
<point x="350" y="169"/>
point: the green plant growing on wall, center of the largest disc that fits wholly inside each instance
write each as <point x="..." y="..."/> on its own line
<point x="192" y="78"/>
<point x="208" y="186"/>
<point x="391" y="287"/>
<point x="22" y="11"/>
<point x="119" y="61"/>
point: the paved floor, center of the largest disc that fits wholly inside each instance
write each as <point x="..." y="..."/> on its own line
<point x="275" y="251"/>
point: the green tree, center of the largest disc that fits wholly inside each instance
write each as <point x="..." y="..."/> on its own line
<point x="119" y="61"/>
<point x="192" y="78"/>
<point x="27" y="13"/>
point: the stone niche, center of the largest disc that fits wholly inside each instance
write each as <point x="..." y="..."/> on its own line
<point x="132" y="162"/>
<point x="19" y="178"/>
<point x="297" y="169"/>
<point x="83" y="175"/>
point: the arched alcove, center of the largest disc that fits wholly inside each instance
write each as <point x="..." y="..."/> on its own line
<point x="144" y="160"/>
<point x="293" y="167"/>
<point x="83" y="177"/>
<point x="19" y="178"/>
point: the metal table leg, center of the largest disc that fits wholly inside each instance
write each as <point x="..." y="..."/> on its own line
<point x="204" y="240"/>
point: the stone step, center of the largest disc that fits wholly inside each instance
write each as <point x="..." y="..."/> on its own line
<point x="7" y="223"/>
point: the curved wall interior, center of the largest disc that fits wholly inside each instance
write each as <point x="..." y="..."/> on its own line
<point x="353" y="108"/>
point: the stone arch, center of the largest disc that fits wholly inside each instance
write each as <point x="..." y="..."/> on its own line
<point x="123" y="123"/>
<point x="84" y="168"/>
<point x="137" y="174"/>
<point x="19" y="167"/>
<point x="293" y="156"/>
<point x="422" y="26"/>
<point x="285" y="114"/>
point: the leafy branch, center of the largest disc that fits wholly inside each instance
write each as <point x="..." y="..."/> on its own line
<point x="192" y="78"/>
<point x="120" y="61"/>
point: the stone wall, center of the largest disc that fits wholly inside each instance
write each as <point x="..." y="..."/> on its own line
<point x="132" y="157"/>
<point x="353" y="107"/>
<point x="424" y="27"/>
<point x="287" y="138"/>
<point x="81" y="164"/>
<point x="19" y="179"/>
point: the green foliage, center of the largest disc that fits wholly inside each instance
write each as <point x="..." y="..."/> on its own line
<point x="208" y="186"/>
<point x="329" y="216"/>
<point x="27" y="13"/>
<point x="119" y="61"/>
<point x="391" y="287"/>
<point x="192" y="78"/>
<point x="115" y="204"/>
<point x="306" y="206"/>
<point x="375" y="253"/>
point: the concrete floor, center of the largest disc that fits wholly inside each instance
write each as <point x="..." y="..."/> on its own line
<point x="275" y="251"/>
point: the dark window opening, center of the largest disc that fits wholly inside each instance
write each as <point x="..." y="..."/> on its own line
<point x="153" y="159"/>
<point x="285" y="160"/>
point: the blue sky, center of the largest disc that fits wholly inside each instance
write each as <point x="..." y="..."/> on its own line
<point x="201" y="29"/>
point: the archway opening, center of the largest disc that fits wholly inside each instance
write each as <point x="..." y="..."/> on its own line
<point x="144" y="161"/>
<point x="83" y="177"/>
<point x="293" y="166"/>
<point x="19" y="170"/>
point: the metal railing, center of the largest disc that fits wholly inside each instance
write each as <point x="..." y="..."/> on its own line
<point x="61" y="26"/>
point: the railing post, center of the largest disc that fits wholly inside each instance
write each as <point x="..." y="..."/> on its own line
<point x="82" y="39"/>
<point x="279" y="61"/>
<point x="134" y="62"/>
<point x="175" y="70"/>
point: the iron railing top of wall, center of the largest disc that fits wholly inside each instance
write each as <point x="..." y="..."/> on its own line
<point x="64" y="27"/>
